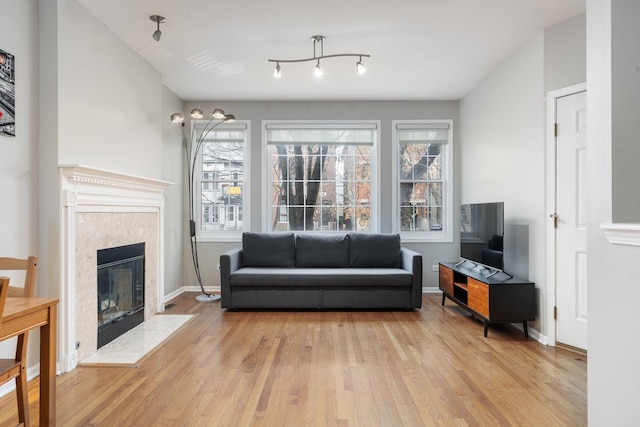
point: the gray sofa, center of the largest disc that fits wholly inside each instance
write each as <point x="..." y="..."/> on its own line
<point x="314" y="271"/>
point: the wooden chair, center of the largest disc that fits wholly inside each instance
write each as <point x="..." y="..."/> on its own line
<point x="17" y="368"/>
<point x="4" y="290"/>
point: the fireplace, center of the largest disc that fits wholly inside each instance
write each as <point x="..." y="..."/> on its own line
<point x="103" y="209"/>
<point x="120" y="290"/>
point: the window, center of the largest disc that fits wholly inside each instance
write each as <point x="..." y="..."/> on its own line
<point x="221" y="180"/>
<point x="320" y="176"/>
<point x="210" y="214"/>
<point x="423" y="199"/>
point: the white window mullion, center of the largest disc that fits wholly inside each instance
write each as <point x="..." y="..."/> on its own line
<point x="344" y="199"/>
<point x="221" y="181"/>
<point x="418" y="215"/>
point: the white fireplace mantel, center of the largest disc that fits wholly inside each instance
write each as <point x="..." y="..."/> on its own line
<point x="101" y="193"/>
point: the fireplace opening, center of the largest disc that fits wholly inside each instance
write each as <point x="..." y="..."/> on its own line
<point x="120" y="291"/>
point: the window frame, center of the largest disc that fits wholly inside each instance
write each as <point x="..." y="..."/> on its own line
<point x="446" y="234"/>
<point x="222" y="235"/>
<point x="374" y="220"/>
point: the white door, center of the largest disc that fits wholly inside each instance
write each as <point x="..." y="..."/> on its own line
<point x="571" y="220"/>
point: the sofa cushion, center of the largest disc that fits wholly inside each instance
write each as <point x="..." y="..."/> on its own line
<point x="268" y="250"/>
<point x="374" y="250"/>
<point x="279" y="278"/>
<point x="322" y="250"/>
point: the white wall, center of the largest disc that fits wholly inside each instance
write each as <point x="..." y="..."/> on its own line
<point x="19" y="154"/>
<point x="613" y="368"/>
<point x="109" y="98"/>
<point x="82" y="97"/>
<point x="106" y="109"/>
<point x="502" y="154"/>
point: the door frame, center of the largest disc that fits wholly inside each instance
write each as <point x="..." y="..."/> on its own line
<point x="550" y="162"/>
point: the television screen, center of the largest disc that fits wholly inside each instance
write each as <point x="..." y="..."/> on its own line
<point x="482" y="233"/>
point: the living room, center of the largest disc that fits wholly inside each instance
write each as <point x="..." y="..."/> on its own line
<point x="85" y="98"/>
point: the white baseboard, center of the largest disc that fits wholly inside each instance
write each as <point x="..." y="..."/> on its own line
<point x="182" y="290"/>
<point x="172" y="295"/>
<point x="197" y="289"/>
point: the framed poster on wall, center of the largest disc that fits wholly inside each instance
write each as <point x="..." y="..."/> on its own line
<point x="7" y="94"/>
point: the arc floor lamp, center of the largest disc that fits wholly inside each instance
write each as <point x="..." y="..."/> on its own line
<point x="192" y="147"/>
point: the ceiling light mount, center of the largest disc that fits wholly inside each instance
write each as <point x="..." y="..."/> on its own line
<point x="319" y="39"/>
<point x="158" y="20"/>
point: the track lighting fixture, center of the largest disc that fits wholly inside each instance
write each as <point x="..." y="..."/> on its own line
<point x="318" y="71"/>
<point x="157" y="33"/>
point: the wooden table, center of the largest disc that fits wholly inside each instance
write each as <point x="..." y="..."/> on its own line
<point x="23" y="314"/>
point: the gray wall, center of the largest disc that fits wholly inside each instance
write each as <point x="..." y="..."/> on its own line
<point x="565" y="53"/>
<point x="625" y="92"/>
<point x="173" y="170"/>
<point x="385" y="111"/>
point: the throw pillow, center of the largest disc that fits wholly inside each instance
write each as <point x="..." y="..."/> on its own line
<point x="314" y="251"/>
<point x="268" y="250"/>
<point x="374" y="250"/>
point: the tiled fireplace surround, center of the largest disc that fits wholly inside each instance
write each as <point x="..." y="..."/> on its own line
<point x="102" y="209"/>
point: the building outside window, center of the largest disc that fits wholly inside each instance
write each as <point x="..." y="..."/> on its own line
<point x="321" y="176"/>
<point x="423" y="199"/>
<point x="223" y="174"/>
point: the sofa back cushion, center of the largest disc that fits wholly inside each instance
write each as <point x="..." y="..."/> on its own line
<point x="268" y="250"/>
<point x="374" y="250"/>
<point x="315" y="250"/>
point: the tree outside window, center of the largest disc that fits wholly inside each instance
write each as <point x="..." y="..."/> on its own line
<point x="423" y="162"/>
<point x="321" y="178"/>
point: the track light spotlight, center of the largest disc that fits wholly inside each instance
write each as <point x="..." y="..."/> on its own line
<point x="278" y="72"/>
<point x="157" y="33"/>
<point x="318" y="71"/>
<point x="361" y="68"/>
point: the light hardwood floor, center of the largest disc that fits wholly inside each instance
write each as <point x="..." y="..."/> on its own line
<point x="328" y="368"/>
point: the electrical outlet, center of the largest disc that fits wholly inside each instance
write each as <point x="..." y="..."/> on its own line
<point x="435" y="267"/>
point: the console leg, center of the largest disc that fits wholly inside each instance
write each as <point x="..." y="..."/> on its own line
<point x="443" y="298"/>
<point x="486" y="328"/>
<point x="526" y="329"/>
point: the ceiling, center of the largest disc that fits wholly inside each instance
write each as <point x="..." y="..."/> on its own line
<point x="420" y="49"/>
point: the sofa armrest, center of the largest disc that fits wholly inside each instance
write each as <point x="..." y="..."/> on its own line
<point x="229" y="262"/>
<point x="412" y="262"/>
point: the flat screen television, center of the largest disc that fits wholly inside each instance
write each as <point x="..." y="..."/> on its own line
<point x="482" y="234"/>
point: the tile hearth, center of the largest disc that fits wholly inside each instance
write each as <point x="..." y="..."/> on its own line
<point x="131" y="348"/>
